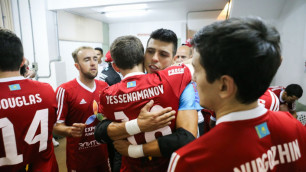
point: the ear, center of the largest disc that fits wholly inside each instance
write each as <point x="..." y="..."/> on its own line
<point x="77" y="66"/>
<point x="115" y="67"/>
<point x="227" y="87"/>
<point x="23" y="62"/>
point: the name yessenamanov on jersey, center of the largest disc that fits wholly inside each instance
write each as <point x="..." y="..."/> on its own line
<point x="12" y="102"/>
<point x="287" y="152"/>
<point x="136" y="95"/>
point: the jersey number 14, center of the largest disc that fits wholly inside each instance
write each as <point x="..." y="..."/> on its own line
<point x="9" y="138"/>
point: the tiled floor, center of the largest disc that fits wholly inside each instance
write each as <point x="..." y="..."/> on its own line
<point x="60" y="153"/>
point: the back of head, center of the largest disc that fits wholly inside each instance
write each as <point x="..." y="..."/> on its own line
<point x="127" y="52"/>
<point x="165" y="35"/>
<point x="11" y="51"/>
<point x="246" y="49"/>
<point x="294" y="90"/>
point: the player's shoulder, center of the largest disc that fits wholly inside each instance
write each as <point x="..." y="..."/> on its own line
<point x="113" y="89"/>
<point x="276" y="88"/>
<point x="39" y="84"/>
<point x="100" y="83"/>
<point x="69" y="85"/>
<point x="175" y="71"/>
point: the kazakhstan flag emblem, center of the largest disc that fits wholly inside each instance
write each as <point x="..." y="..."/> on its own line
<point x="131" y="84"/>
<point x="14" y="87"/>
<point x="262" y="130"/>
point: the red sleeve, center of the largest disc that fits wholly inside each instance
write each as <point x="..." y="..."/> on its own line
<point x="178" y="77"/>
<point x="177" y="164"/>
<point x="62" y="107"/>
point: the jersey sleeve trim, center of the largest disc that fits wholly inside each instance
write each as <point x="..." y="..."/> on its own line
<point x="173" y="162"/>
<point x="60" y="101"/>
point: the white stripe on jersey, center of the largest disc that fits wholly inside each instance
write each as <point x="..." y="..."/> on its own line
<point x="60" y="99"/>
<point x="274" y="102"/>
<point x="173" y="161"/>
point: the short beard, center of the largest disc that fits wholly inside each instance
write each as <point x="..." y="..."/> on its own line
<point x="88" y="75"/>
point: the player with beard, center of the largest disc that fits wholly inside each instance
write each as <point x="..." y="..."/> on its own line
<point x="78" y="102"/>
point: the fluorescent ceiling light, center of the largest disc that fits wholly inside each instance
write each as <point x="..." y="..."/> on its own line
<point x="130" y="13"/>
<point x="122" y="8"/>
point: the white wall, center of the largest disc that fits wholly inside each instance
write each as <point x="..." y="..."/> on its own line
<point x="289" y="18"/>
<point x="292" y="26"/>
<point x="143" y="30"/>
<point x="44" y="48"/>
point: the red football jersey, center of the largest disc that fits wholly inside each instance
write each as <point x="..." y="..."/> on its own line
<point x="27" y="117"/>
<point x="123" y="102"/>
<point x="76" y="105"/>
<point x="253" y="140"/>
<point x="278" y="91"/>
<point x="269" y="100"/>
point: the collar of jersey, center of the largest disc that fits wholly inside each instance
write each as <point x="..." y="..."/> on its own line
<point x="15" y="78"/>
<point x="85" y="87"/>
<point x="133" y="74"/>
<point x="243" y="115"/>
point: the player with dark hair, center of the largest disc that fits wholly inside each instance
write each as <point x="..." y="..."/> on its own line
<point x="288" y="97"/>
<point x="27" y="113"/>
<point x="235" y="60"/>
<point x="127" y="53"/>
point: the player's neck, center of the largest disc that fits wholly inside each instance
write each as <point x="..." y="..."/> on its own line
<point x="234" y="106"/>
<point x="90" y="83"/>
<point x="8" y="74"/>
<point x="138" y="68"/>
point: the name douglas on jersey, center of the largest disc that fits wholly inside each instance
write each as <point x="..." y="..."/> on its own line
<point x="13" y="102"/>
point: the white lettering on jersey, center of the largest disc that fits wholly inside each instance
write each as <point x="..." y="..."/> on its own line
<point x="176" y="71"/>
<point x="287" y="152"/>
<point x="135" y="96"/>
<point x="12" y="102"/>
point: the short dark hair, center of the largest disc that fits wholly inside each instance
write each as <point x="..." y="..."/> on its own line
<point x="246" y="49"/>
<point x="294" y="90"/>
<point x="165" y="35"/>
<point x="127" y="52"/>
<point x="99" y="49"/>
<point x="11" y="51"/>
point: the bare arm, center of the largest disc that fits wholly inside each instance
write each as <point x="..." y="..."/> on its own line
<point x="187" y="119"/>
<point x="76" y="130"/>
<point x="147" y="121"/>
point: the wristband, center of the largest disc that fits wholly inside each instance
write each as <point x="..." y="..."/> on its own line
<point x="135" y="151"/>
<point x="132" y="127"/>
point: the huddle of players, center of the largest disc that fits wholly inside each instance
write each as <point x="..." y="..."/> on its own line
<point x="226" y="55"/>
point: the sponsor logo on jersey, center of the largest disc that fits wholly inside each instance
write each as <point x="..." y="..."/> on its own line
<point x="96" y="115"/>
<point x="82" y="102"/>
<point x="131" y="84"/>
<point x="14" y="87"/>
<point x="262" y="130"/>
<point x="176" y="71"/>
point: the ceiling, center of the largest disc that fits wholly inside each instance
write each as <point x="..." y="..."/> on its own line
<point x="157" y="10"/>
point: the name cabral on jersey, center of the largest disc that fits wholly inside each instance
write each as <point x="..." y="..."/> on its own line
<point x="136" y="95"/>
<point x="12" y="102"/>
